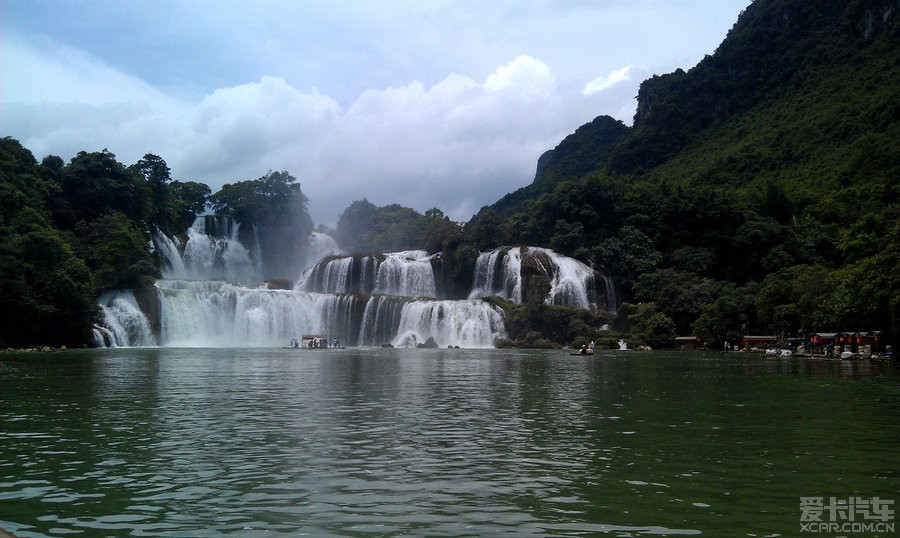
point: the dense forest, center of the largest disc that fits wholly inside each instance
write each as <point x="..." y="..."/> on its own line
<point x="755" y="193"/>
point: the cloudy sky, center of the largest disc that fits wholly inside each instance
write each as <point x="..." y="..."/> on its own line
<point x="428" y="103"/>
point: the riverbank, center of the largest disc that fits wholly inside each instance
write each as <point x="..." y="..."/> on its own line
<point x="36" y="349"/>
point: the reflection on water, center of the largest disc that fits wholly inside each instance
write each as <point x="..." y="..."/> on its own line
<point x="436" y="442"/>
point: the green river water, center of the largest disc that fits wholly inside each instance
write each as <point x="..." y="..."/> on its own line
<point x="405" y="442"/>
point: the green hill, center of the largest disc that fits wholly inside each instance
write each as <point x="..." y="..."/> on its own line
<point x="765" y="176"/>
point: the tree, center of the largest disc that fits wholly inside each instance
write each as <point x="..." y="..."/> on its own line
<point x="354" y="226"/>
<point x="680" y="295"/>
<point x="439" y="232"/>
<point x="788" y="299"/>
<point x="154" y="170"/>
<point x="46" y="292"/>
<point x="567" y="237"/>
<point x="864" y="294"/>
<point x="487" y="230"/>
<point x="652" y="326"/>
<point x="396" y="228"/>
<point x="628" y="255"/>
<point x="96" y="183"/>
<point x="731" y="316"/>
<point x="117" y="253"/>
<point x="275" y="206"/>
<point x="190" y="199"/>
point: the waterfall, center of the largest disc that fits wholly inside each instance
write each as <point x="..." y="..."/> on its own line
<point x="456" y="323"/>
<point x="405" y="274"/>
<point x="223" y="314"/>
<point x="503" y="279"/>
<point x="571" y="282"/>
<point x="197" y="313"/>
<point x="408" y="274"/>
<point x="172" y="262"/>
<point x="612" y="302"/>
<point x="124" y="323"/>
<point x="380" y="319"/>
<point x="212" y="295"/>
<point x="203" y="256"/>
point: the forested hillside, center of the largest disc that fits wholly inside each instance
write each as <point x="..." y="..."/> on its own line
<point x="756" y="192"/>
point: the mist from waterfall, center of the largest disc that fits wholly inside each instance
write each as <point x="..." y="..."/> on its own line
<point x="202" y="256"/>
<point x="320" y="246"/>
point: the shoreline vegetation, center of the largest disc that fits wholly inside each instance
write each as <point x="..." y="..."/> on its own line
<point x="37" y="349"/>
<point x="638" y="349"/>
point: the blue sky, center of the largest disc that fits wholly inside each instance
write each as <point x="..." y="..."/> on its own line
<point x="442" y="104"/>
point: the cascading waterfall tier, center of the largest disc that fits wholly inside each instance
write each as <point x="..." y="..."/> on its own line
<point x="517" y="273"/>
<point x="405" y="274"/>
<point x="206" y="256"/>
<point x="223" y="314"/>
<point x="125" y="324"/>
<point x="212" y="296"/>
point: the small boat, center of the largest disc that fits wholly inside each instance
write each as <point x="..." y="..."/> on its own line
<point x="586" y="350"/>
<point x="848" y="355"/>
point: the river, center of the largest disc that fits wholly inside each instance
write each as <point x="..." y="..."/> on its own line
<point x="387" y="442"/>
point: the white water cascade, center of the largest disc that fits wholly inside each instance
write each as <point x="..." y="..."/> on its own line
<point x="496" y="275"/>
<point x="213" y="295"/>
<point x="404" y="274"/>
<point x="125" y="323"/>
<point x="459" y="323"/>
<point x="570" y="282"/>
<point x="205" y="256"/>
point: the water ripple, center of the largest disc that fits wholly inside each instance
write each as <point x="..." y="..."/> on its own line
<point x="402" y="442"/>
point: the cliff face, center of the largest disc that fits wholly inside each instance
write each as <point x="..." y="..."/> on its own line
<point x="579" y="153"/>
<point x="874" y="20"/>
<point x="582" y="151"/>
<point x="542" y="162"/>
<point x="773" y="49"/>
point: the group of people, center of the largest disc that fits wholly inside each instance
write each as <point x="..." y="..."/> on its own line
<point x="317" y="343"/>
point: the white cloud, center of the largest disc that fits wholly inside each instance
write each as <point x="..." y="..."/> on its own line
<point x="445" y="104"/>
<point x="605" y="82"/>
<point x="457" y="144"/>
<point x="526" y="75"/>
